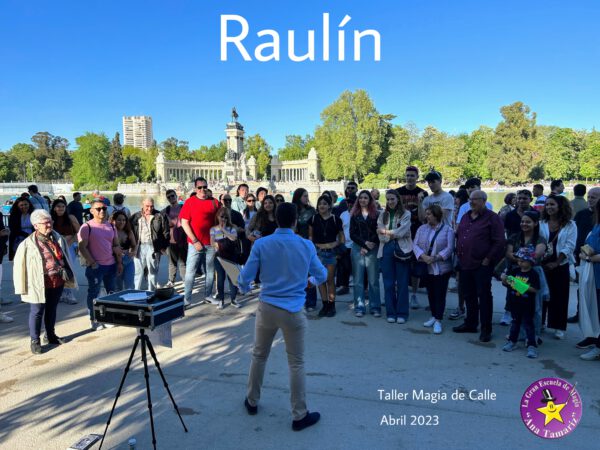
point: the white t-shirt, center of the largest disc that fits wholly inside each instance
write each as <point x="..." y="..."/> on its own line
<point x="446" y="202"/>
<point x="467" y="207"/>
<point x="345" y="218"/>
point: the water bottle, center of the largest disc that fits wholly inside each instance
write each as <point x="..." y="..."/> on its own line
<point x="132" y="443"/>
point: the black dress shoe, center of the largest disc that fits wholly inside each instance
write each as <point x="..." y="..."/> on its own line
<point x="331" y="310"/>
<point x="573" y="319"/>
<point x="310" y="419"/>
<point x="36" y="348"/>
<point x="485" y="337"/>
<point x="324" y="310"/>
<point x="252" y="410"/>
<point x="464" y="328"/>
<point x="588" y="342"/>
<point x="54" y="340"/>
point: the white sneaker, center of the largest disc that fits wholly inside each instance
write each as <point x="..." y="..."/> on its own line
<point x="437" y="327"/>
<point x="400" y="320"/>
<point x="391" y="320"/>
<point x="211" y="300"/>
<point x="506" y="318"/>
<point x="4" y="318"/>
<point x="592" y="355"/>
<point x="429" y="323"/>
<point x="559" y="334"/>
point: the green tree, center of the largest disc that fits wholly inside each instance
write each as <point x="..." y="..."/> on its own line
<point x="478" y="145"/>
<point x="352" y="136"/>
<point x="90" y="160"/>
<point x="215" y="152"/>
<point x="373" y="180"/>
<point x="8" y="168"/>
<point x="20" y="156"/>
<point x="561" y="147"/>
<point x="446" y="154"/>
<point x="148" y="163"/>
<point x="52" y="155"/>
<point x="259" y="148"/>
<point x="176" y="150"/>
<point x="515" y="154"/>
<point x="296" y="147"/>
<point x="115" y="158"/>
<point x="589" y="156"/>
<point x="400" y="153"/>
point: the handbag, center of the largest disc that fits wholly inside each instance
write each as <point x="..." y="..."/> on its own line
<point x="339" y="250"/>
<point x="401" y="255"/>
<point x="420" y="268"/>
<point x="228" y="249"/>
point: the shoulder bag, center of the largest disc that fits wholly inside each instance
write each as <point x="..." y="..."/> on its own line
<point x="420" y="268"/>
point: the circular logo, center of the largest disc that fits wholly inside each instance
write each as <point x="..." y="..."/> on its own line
<point x="551" y="408"/>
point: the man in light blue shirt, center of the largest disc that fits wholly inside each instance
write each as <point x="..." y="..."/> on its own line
<point x="285" y="261"/>
<point x="472" y="184"/>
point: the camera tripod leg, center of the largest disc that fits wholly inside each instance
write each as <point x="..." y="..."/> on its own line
<point x="135" y="344"/>
<point x="147" y="377"/>
<point x="164" y="380"/>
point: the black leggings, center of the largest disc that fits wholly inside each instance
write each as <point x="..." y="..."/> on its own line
<point x="557" y="308"/>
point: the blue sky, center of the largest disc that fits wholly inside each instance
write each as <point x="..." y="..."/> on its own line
<point x="68" y="67"/>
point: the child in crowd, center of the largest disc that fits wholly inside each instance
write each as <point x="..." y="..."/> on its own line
<point x="522" y="283"/>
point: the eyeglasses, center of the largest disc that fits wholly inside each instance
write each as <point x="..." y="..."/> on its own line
<point x="46" y="224"/>
<point x="171" y="196"/>
<point x="249" y="201"/>
<point x="102" y="208"/>
<point x="205" y="187"/>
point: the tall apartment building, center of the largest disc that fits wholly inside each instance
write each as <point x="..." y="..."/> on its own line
<point x="137" y="131"/>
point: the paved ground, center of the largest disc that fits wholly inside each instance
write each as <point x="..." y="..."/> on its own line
<point x="48" y="401"/>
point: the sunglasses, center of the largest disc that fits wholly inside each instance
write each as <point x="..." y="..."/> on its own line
<point x="102" y="208"/>
<point x="171" y="196"/>
<point x="202" y="188"/>
<point x="249" y="201"/>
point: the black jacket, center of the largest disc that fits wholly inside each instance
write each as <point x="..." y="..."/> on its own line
<point x="159" y="229"/>
<point x="363" y="230"/>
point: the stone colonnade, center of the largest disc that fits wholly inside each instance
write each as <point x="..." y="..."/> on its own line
<point x="293" y="175"/>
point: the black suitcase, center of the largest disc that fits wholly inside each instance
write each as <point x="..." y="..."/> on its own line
<point x="149" y="313"/>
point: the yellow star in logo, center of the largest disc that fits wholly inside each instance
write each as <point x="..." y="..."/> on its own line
<point x="552" y="412"/>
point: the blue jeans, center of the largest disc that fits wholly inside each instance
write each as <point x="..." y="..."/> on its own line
<point x="146" y="258"/>
<point x="359" y="264"/>
<point x="193" y="257"/>
<point x="47" y="311"/>
<point x="221" y="276"/>
<point x="396" y="278"/>
<point x="101" y="274"/>
<point x="125" y="280"/>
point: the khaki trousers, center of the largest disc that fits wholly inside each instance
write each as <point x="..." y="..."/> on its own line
<point x="269" y="319"/>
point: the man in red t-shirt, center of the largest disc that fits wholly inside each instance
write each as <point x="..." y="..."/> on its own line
<point x="197" y="217"/>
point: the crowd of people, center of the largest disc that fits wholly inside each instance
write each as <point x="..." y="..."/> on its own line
<point x="409" y="238"/>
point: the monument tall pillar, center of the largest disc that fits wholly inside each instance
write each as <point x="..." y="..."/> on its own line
<point x="313" y="165"/>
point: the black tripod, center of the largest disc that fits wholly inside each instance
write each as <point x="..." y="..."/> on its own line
<point x="145" y="342"/>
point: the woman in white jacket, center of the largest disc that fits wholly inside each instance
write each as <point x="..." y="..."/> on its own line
<point x="561" y="234"/>
<point x="393" y="229"/>
<point x="42" y="269"/>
